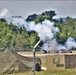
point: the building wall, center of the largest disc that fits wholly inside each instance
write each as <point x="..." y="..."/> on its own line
<point x="73" y="51"/>
<point x="55" y="62"/>
<point x="60" y="61"/>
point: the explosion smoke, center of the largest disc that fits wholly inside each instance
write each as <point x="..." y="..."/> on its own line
<point x="50" y="45"/>
<point x="46" y="32"/>
<point x="70" y="43"/>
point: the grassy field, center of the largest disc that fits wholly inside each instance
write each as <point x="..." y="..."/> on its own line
<point x="55" y="72"/>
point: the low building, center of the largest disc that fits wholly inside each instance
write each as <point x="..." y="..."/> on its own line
<point x="60" y="61"/>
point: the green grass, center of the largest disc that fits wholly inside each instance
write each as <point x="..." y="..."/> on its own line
<point x="55" y="72"/>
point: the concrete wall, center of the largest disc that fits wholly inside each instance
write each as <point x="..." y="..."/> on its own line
<point x="73" y="51"/>
<point x="60" y="61"/>
<point x="55" y="62"/>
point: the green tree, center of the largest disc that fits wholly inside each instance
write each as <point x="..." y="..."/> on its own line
<point x="67" y="29"/>
<point x="31" y="17"/>
<point x="41" y="18"/>
<point x="50" y="13"/>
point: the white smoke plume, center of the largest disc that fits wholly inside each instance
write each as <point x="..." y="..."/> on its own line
<point x="50" y="45"/>
<point x="3" y="13"/>
<point x="70" y="43"/>
<point x="46" y="32"/>
<point x="19" y="22"/>
<point x="62" y="47"/>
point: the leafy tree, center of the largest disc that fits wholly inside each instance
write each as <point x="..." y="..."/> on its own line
<point x="31" y="17"/>
<point x="41" y="18"/>
<point x="67" y="29"/>
<point x="33" y="39"/>
<point x="50" y="13"/>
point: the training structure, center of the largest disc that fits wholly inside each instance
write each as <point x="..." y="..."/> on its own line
<point x="11" y="62"/>
<point x="60" y="61"/>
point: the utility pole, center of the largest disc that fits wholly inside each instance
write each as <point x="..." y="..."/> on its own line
<point x="35" y="56"/>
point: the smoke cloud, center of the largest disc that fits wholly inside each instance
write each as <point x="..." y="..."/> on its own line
<point x="3" y="13"/>
<point x="70" y="43"/>
<point x="50" y="45"/>
<point x="19" y="22"/>
<point x="46" y="32"/>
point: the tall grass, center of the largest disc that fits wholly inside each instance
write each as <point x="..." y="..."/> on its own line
<point x="55" y="72"/>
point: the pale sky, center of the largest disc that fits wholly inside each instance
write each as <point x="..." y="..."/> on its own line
<point x="63" y="8"/>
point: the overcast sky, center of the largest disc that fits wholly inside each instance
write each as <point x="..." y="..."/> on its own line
<point x="26" y="7"/>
